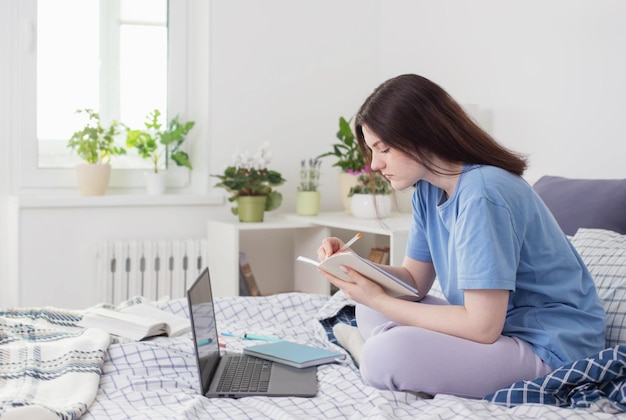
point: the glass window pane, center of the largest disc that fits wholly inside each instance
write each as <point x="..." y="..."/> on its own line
<point x="126" y="81"/>
<point x="67" y="65"/>
<point x="143" y="77"/>
<point x="144" y="10"/>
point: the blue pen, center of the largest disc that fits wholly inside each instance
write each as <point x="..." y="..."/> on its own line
<point x="225" y="334"/>
<point x="260" y="337"/>
<point x="248" y="336"/>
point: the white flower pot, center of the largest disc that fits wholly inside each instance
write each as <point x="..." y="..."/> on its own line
<point x="155" y="182"/>
<point x="368" y="206"/>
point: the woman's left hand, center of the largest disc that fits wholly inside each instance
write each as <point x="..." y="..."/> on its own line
<point x="360" y="289"/>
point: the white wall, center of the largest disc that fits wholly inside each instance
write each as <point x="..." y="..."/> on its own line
<point x="283" y="72"/>
<point x="548" y="76"/>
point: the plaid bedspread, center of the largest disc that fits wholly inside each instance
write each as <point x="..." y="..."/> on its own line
<point x="157" y="378"/>
<point x="48" y="367"/>
<point x="584" y="383"/>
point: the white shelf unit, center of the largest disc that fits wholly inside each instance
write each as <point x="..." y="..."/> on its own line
<point x="272" y="247"/>
<point x="392" y="231"/>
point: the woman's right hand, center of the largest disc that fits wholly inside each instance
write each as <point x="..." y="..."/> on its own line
<point x="329" y="246"/>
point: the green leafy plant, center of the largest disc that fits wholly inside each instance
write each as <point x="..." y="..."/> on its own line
<point x="309" y="175"/>
<point x="156" y="140"/>
<point x="371" y="183"/>
<point x="249" y="176"/>
<point x="95" y="143"/>
<point x="347" y="151"/>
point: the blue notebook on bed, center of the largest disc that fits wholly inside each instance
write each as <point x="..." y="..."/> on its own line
<point x="294" y="354"/>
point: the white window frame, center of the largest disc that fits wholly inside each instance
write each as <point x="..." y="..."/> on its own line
<point x="184" y="18"/>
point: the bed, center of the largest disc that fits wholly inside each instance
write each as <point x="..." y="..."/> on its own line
<point x="50" y="368"/>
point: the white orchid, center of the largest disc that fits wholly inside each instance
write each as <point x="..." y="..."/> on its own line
<point x="249" y="176"/>
<point x="260" y="160"/>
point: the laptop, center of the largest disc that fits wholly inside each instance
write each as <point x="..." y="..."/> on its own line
<point x="215" y="368"/>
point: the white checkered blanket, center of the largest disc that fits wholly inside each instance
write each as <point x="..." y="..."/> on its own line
<point x="48" y="367"/>
<point x="157" y="378"/>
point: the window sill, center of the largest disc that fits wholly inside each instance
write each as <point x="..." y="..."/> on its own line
<point x="114" y="200"/>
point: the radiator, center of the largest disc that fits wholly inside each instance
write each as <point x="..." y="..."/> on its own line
<point x="152" y="268"/>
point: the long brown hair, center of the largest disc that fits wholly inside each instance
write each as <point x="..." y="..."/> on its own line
<point x="416" y="116"/>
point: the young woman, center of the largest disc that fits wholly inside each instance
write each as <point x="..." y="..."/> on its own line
<point x="520" y="301"/>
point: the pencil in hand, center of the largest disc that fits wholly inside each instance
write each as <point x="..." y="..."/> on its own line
<point x="350" y="242"/>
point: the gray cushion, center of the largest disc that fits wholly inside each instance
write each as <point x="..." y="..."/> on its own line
<point x="585" y="203"/>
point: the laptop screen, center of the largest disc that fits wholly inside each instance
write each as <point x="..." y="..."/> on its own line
<point x="200" y="300"/>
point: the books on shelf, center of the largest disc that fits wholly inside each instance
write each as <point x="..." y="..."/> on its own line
<point x="136" y="321"/>
<point x="247" y="282"/>
<point x="294" y="354"/>
<point x="379" y="255"/>
<point x="385" y="258"/>
<point x="392" y="285"/>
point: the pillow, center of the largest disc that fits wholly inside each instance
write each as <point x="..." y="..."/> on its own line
<point x="585" y="203"/>
<point x="604" y="253"/>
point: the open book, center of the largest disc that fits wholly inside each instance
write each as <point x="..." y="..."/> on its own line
<point x="136" y="322"/>
<point x="392" y="285"/>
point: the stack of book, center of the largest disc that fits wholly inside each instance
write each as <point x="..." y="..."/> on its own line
<point x="379" y="255"/>
<point x="247" y="282"/>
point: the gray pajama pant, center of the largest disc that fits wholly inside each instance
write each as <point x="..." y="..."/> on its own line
<point x="402" y="358"/>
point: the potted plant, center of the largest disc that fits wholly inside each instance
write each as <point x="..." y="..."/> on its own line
<point x="94" y="144"/>
<point x="347" y="151"/>
<point x="308" y="197"/>
<point x="251" y="184"/>
<point x="157" y="141"/>
<point x="371" y="196"/>
<point x="349" y="159"/>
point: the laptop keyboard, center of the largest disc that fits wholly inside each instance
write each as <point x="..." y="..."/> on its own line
<point x="245" y="374"/>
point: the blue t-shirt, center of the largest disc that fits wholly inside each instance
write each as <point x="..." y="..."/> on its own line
<point x="496" y="233"/>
